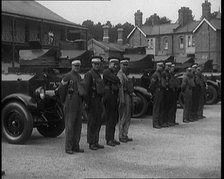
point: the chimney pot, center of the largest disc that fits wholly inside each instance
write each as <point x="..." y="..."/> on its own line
<point x="120" y="36"/>
<point x="106" y="33"/>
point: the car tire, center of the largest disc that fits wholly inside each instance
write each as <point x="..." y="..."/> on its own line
<point x="140" y="105"/>
<point x="52" y="129"/>
<point x="17" y="123"/>
<point x="211" y="95"/>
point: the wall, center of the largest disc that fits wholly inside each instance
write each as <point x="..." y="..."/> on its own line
<point x="137" y="39"/>
<point x="208" y="44"/>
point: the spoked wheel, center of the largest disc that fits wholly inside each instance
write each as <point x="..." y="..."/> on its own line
<point x="17" y="123"/>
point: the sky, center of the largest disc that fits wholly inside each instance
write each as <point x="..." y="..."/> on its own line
<point x="121" y="11"/>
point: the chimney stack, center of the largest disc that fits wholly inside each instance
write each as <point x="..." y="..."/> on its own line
<point x="138" y="18"/>
<point x="120" y="36"/>
<point x="155" y="19"/>
<point x="206" y="10"/>
<point x="184" y="16"/>
<point x="106" y="33"/>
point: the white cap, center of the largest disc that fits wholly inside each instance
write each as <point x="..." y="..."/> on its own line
<point x="124" y="61"/>
<point x="76" y="62"/>
<point x="173" y="65"/>
<point x="113" y="60"/>
<point x="194" y="66"/>
<point x="168" y="63"/>
<point x="96" y="60"/>
<point x="189" y="68"/>
<point x="160" y="64"/>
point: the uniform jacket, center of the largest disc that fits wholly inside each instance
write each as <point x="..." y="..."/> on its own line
<point x="156" y="81"/>
<point x="187" y="82"/>
<point x="123" y="87"/>
<point x="111" y="81"/>
<point x="90" y="86"/>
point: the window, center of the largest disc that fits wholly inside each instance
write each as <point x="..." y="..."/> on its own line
<point x="181" y="42"/>
<point x="166" y="43"/>
<point x="189" y="40"/>
<point x="193" y="41"/>
<point x="150" y="43"/>
<point x="27" y="32"/>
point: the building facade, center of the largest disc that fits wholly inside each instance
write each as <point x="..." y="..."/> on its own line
<point x="27" y="21"/>
<point x="179" y="39"/>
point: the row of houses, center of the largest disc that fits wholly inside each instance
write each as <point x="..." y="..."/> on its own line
<point x="200" y="40"/>
<point x="27" y="21"/>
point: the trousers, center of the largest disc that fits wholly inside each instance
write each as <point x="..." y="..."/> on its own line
<point x="125" y="116"/>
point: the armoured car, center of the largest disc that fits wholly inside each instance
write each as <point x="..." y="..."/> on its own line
<point x="29" y="101"/>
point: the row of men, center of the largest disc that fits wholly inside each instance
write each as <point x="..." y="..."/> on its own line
<point x="165" y="88"/>
<point x="111" y="94"/>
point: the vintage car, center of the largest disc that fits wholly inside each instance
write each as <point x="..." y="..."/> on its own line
<point x="29" y="101"/>
<point x="213" y="91"/>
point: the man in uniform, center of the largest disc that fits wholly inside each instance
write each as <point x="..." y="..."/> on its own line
<point x="110" y="99"/>
<point x="202" y="97"/>
<point x="186" y="89"/>
<point x="94" y="103"/>
<point x="125" y="95"/>
<point x="174" y="87"/>
<point x="167" y="98"/>
<point x="156" y="88"/>
<point x="195" y="94"/>
<point x="145" y="79"/>
<point x="73" y="109"/>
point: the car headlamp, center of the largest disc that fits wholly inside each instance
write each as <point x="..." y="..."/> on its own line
<point x="40" y="92"/>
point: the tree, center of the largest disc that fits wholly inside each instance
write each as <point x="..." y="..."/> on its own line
<point x="157" y="20"/>
<point x="96" y="30"/>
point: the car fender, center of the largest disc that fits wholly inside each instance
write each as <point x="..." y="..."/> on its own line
<point x="23" y="98"/>
<point x="143" y="91"/>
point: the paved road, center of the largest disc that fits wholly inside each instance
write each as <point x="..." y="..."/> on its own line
<point x="190" y="150"/>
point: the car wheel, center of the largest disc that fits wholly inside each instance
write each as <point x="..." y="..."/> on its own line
<point x="140" y="105"/>
<point x="211" y="95"/>
<point x="17" y="123"/>
<point x="52" y="129"/>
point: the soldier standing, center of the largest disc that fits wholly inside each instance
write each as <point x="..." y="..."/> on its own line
<point x="73" y="109"/>
<point x="195" y="95"/>
<point x="167" y="98"/>
<point x="174" y="87"/>
<point x="186" y="88"/>
<point x="110" y="99"/>
<point x="202" y="97"/>
<point x="94" y="84"/>
<point x="156" y="88"/>
<point x="125" y="93"/>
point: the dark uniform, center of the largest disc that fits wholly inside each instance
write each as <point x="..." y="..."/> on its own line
<point x="94" y="108"/>
<point x="145" y="79"/>
<point x="174" y="87"/>
<point x="156" y="89"/>
<point x="167" y="98"/>
<point x="186" y="88"/>
<point x="202" y="97"/>
<point x="72" y="112"/>
<point x="111" y="82"/>
<point x="195" y="99"/>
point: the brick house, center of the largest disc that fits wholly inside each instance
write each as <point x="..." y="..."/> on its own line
<point x="105" y="48"/>
<point x="208" y="42"/>
<point x="25" y="21"/>
<point x="177" y="39"/>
